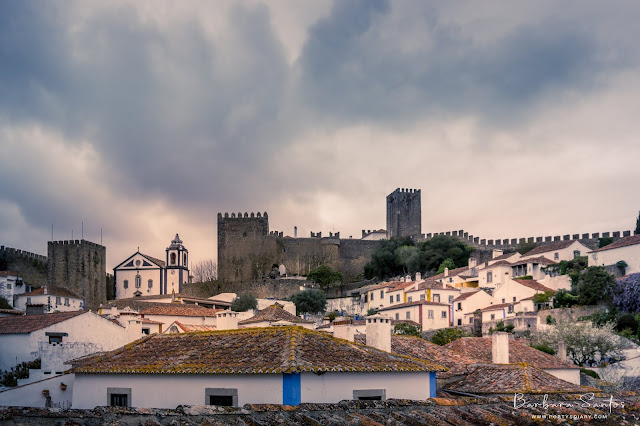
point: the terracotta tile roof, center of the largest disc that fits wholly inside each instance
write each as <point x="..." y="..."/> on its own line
<point x="189" y="328"/>
<point x="514" y="378"/>
<point x="154" y="260"/>
<point x="9" y="274"/>
<point x="405" y="305"/>
<point x="535" y="285"/>
<point x="249" y="351"/>
<point x="148" y="321"/>
<point x="547" y="247"/>
<point x="179" y="310"/>
<point x="499" y="263"/>
<point x="504" y="256"/>
<point x="28" y="323"/>
<point x="452" y="273"/>
<point x="622" y="242"/>
<point x="422" y="349"/>
<point x="11" y="312"/>
<point x="51" y="291"/>
<point x="433" y="285"/>
<point x="466" y="295"/>
<point x="540" y="259"/>
<point x="400" y="285"/>
<point x="497" y="307"/>
<point x="383" y="285"/>
<point x="480" y="348"/>
<point x="274" y="313"/>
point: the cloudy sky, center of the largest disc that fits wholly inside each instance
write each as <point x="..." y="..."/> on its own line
<point x="147" y="118"/>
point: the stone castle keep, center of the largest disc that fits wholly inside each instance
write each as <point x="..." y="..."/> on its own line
<point x="77" y="265"/>
<point x="248" y="250"/>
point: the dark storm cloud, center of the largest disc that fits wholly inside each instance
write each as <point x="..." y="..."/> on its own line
<point x="170" y="111"/>
<point x="354" y="67"/>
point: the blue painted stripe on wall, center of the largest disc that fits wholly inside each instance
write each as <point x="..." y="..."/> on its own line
<point x="432" y="384"/>
<point x="291" y="394"/>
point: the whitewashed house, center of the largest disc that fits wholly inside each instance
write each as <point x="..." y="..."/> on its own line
<point x="558" y="250"/>
<point x="467" y="303"/>
<point x="495" y="274"/>
<point x="170" y="312"/>
<point x="515" y="290"/>
<point x="12" y="285"/>
<point x="144" y="275"/>
<point x="53" y="299"/>
<point x="275" y="365"/>
<point x="433" y="291"/>
<point x="57" y="337"/>
<point x="430" y="315"/>
<point x="625" y="249"/>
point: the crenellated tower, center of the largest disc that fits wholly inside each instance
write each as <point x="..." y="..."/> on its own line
<point x="404" y="213"/>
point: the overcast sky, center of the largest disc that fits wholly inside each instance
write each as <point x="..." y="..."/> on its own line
<point x="147" y="118"/>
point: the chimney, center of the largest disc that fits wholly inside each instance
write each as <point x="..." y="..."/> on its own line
<point x="562" y="350"/>
<point x="226" y="320"/>
<point x="477" y="323"/>
<point x="379" y="332"/>
<point x="497" y="253"/>
<point x="446" y="272"/>
<point x="407" y="279"/>
<point x="295" y="232"/>
<point x="473" y="262"/>
<point x="418" y="277"/>
<point x="46" y="291"/>
<point x="500" y="347"/>
<point x="344" y="330"/>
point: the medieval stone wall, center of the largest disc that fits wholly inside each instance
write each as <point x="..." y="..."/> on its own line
<point x="79" y="266"/>
<point x="32" y="267"/>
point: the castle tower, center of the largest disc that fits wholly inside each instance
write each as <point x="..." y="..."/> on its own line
<point x="243" y="242"/>
<point x="80" y="266"/>
<point x="176" y="271"/>
<point x="404" y="213"/>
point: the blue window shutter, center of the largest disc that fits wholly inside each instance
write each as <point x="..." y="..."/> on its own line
<point x="291" y="394"/>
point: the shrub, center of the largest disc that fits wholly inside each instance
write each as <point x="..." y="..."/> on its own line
<point x="626" y="321"/>
<point x="564" y="299"/>
<point x="372" y="311"/>
<point x="309" y="301"/>
<point x="501" y="327"/>
<point x="446" y="335"/>
<point x="550" y="320"/>
<point x="590" y="373"/>
<point x="544" y="348"/>
<point x="406" y="329"/>
<point x="244" y="302"/>
<point x="325" y="276"/>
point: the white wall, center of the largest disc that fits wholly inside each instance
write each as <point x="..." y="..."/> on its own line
<point x="511" y="289"/>
<point x="571" y="375"/>
<point x="335" y="387"/>
<point x="130" y="275"/>
<point x="477" y="301"/>
<point x="169" y="391"/>
<point x="167" y="320"/>
<point x="31" y="395"/>
<point x="414" y="315"/>
<point x="350" y="305"/>
<point x="16" y="348"/>
<point x="630" y="254"/>
<point x="50" y="299"/>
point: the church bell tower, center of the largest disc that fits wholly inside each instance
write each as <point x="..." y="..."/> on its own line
<point x="176" y="272"/>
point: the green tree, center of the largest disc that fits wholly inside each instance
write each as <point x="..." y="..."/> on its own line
<point x="446" y="264"/>
<point x="408" y="258"/>
<point x="543" y="297"/>
<point x="446" y="335"/>
<point x="441" y="247"/>
<point x="595" y="284"/>
<point x="309" y="301"/>
<point x="526" y="247"/>
<point x="4" y="304"/>
<point x="244" y="302"/>
<point x="371" y="311"/>
<point x="384" y="260"/>
<point x="406" y="329"/>
<point x="325" y="276"/>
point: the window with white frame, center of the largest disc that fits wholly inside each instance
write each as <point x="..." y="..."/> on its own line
<point x="225" y="397"/>
<point x="58" y="300"/>
<point x="436" y="298"/>
<point x="66" y="301"/>
<point x="410" y="299"/>
<point x="397" y="297"/>
<point x="430" y="314"/>
<point x="138" y="281"/>
<point x="422" y="297"/>
<point x="397" y="316"/>
<point x="408" y="314"/>
<point x="381" y="294"/>
<point x="489" y="276"/>
<point x="390" y="299"/>
<point x="450" y="299"/>
<point x="444" y="314"/>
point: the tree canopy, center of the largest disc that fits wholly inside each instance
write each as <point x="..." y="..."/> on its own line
<point x="325" y="276"/>
<point x="244" y="302"/>
<point x="594" y="284"/>
<point x="309" y="301"/>
<point x="626" y="294"/>
<point x="399" y="256"/>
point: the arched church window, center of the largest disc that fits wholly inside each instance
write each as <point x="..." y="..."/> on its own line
<point x="184" y="259"/>
<point x="138" y="281"/>
<point x="173" y="258"/>
<point x="125" y="283"/>
<point x="150" y="283"/>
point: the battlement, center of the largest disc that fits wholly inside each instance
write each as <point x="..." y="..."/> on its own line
<point x="13" y="252"/>
<point x="406" y="190"/>
<point x="514" y="242"/>
<point x="71" y="242"/>
<point x="331" y="235"/>
<point x="240" y="215"/>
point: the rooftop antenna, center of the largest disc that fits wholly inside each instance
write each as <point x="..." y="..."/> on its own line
<point x="100" y="236"/>
<point x="82" y="231"/>
<point x="72" y="233"/>
<point x="52" y="232"/>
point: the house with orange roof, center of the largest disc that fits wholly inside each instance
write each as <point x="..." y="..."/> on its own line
<point x="466" y="303"/>
<point x="170" y="312"/>
<point x="514" y="290"/>
<point x="275" y="315"/>
<point x="626" y="249"/>
<point x="433" y="291"/>
<point x="430" y="315"/>
<point x="275" y="365"/>
<point x="51" y="299"/>
<point x="558" y="250"/>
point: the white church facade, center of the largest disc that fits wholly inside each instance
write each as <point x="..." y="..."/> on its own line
<point x="143" y="275"/>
